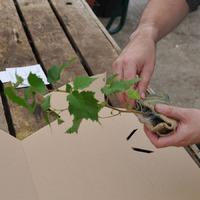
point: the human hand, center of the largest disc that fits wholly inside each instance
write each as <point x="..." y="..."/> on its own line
<point x="138" y="58"/>
<point x="188" y="129"/>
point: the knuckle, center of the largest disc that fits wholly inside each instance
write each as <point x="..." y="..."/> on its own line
<point x="121" y="62"/>
<point x="170" y="110"/>
<point x="143" y="83"/>
<point x="116" y="63"/>
<point x="125" y="61"/>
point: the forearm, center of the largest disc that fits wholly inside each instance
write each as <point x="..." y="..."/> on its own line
<point x="162" y="16"/>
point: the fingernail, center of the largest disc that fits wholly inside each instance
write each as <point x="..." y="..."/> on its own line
<point x="143" y="95"/>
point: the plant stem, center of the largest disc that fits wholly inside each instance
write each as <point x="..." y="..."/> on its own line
<point x="58" y="110"/>
<point x="110" y="116"/>
<point x="58" y="90"/>
<point x="123" y="111"/>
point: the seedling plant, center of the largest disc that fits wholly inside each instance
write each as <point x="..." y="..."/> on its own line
<point x="82" y="103"/>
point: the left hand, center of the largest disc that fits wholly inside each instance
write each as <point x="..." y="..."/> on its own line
<point x="188" y="129"/>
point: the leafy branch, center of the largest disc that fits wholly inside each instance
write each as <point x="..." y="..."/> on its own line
<point x="82" y="103"/>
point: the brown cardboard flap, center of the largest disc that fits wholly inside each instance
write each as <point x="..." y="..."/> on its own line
<point x="15" y="176"/>
<point x="97" y="163"/>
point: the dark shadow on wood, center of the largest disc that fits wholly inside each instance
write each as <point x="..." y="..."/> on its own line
<point x="72" y="41"/>
<point x="30" y="40"/>
<point x="7" y="112"/>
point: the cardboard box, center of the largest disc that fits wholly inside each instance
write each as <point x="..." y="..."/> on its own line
<point x="98" y="163"/>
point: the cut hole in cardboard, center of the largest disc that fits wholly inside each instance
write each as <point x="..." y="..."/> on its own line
<point x="132" y="133"/>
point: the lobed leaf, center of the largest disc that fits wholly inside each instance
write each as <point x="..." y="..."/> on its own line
<point x="53" y="74"/>
<point x="46" y="103"/>
<point x="68" y="88"/>
<point x="133" y="94"/>
<point x="60" y="120"/>
<point x="83" y="82"/>
<point x="119" y="86"/>
<point x="111" y="78"/>
<point x="68" y="64"/>
<point x="20" y="80"/>
<point x="74" y="128"/>
<point x="36" y="83"/>
<point x="12" y="95"/>
<point x="47" y="117"/>
<point x="28" y="93"/>
<point x="83" y="105"/>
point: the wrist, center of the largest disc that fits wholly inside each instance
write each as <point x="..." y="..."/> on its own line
<point x="148" y="31"/>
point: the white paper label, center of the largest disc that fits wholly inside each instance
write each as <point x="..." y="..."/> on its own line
<point x="10" y="74"/>
<point x="4" y="77"/>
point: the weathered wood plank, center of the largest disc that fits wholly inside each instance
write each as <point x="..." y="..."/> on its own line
<point x="101" y="27"/>
<point x="49" y="39"/>
<point x="94" y="46"/>
<point x="3" y="124"/>
<point x="14" y="47"/>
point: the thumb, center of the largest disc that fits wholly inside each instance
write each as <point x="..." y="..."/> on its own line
<point x="145" y="76"/>
<point x="170" y="111"/>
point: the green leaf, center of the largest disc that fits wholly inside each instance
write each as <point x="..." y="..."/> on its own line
<point x="75" y="126"/>
<point x="68" y="64"/>
<point x="133" y="94"/>
<point x="53" y="74"/>
<point x="58" y="117"/>
<point x="82" y="82"/>
<point x="20" y="80"/>
<point x="47" y="117"/>
<point x="60" y="120"/>
<point x="28" y="93"/>
<point x="33" y="106"/>
<point x="46" y="103"/>
<point x="111" y="78"/>
<point x="68" y="88"/>
<point x="12" y="95"/>
<point x="36" y="83"/>
<point x="83" y="105"/>
<point x="119" y="86"/>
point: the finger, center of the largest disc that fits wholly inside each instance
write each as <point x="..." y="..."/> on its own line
<point x="167" y="141"/>
<point x="152" y="136"/>
<point x="171" y="111"/>
<point x="117" y="69"/>
<point x="145" y="79"/>
<point x="129" y="73"/>
<point x="161" y="142"/>
<point x="122" y="99"/>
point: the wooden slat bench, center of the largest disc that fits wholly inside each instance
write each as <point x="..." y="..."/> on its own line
<point x="50" y="32"/>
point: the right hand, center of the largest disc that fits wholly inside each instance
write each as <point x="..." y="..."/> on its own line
<point x="187" y="131"/>
<point x="138" y="58"/>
